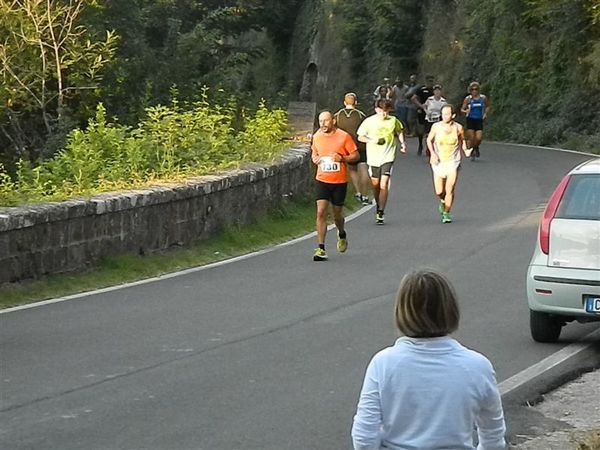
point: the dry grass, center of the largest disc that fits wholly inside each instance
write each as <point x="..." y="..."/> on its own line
<point x="290" y="221"/>
<point x="589" y="440"/>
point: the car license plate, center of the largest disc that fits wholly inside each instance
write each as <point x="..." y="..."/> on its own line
<point x="592" y="304"/>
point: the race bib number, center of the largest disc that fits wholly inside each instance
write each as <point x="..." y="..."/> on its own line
<point x="327" y="164"/>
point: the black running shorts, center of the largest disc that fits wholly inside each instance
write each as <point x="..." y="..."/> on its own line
<point x="333" y="193"/>
<point x="384" y="170"/>
<point x="428" y="126"/>
<point x="474" y="124"/>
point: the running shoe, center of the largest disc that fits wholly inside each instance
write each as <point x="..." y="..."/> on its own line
<point x="320" y="255"/>
<point x="446" y="217"/>
<point x="477" y="154"/>
<point x="342" y="244"/>
<point x="441" y="207"/>
<point x="469" y="152"/>
<point x="358" y="197"/>
<point x="365" y="200"/>
<point x="379" y="218"/>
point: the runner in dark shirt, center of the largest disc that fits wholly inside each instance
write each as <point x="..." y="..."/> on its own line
<point x="349" y="119"/>
<point x="419" y="98"/>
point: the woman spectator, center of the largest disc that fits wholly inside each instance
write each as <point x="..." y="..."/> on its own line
<point x="428" y="391"/>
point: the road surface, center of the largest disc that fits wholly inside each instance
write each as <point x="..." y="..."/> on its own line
<point x="269" y="352"/>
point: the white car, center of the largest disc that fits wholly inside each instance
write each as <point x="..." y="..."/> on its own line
<point x="563" y="279"/>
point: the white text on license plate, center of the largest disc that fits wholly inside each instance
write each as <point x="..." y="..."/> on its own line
<point x="592" y="304"/>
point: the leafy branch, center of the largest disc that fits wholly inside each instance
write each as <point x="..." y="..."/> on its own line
<point x="46" y="56"/>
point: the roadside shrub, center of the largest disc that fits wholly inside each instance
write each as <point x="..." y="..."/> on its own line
<point x="8" y="189"/>
<point x="586" y="143"/>
<point x="263" y="134"/>
<point x="171" y="143"/>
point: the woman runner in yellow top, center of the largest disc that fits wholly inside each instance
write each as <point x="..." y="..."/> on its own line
<point x="444" y="142"/>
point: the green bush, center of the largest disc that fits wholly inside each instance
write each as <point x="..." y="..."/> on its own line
<point x="585" y="143"/>
<point x="171" y="143"/>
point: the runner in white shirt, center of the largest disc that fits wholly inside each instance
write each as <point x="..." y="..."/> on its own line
<point x="433" y="109"/>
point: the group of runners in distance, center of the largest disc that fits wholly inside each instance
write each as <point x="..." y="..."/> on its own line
<point x="348" y="144"/>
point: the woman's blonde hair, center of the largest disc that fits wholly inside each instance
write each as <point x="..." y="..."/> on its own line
<point x="426" y="305"/>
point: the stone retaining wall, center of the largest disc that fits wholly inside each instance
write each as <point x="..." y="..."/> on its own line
<point x="48" y="238"/>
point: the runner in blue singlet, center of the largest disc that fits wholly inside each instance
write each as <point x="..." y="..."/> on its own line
<point x="476" y="107"/>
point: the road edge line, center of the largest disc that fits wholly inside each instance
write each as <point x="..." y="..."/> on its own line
<point x="555" y="359"/>
<point x="540" y="147"/>
<point x="166" y="276"/>
<point x="236" y="258"/>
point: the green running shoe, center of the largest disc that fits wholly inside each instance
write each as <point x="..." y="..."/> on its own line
<point x="446" y="217"/>
<point x="342" y="244"/>
<point x="442" y="207"/>
<point x="320" y="255"/>
<point x="379" y="218"/>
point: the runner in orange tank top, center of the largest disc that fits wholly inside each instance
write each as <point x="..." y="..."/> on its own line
<point x="332" y="149"/>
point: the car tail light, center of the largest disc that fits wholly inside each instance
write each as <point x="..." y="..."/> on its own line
<point x="549" y="213"/>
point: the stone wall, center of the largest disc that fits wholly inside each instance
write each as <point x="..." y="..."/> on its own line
<point x="48" y="238"/>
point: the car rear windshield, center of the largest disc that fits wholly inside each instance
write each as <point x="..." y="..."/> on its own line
<point x="581" y="199"/>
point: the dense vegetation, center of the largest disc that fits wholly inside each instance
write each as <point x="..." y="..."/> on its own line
<point x="384" y="37"/>
<point x="58" y="60"/>
<point x="537" y="60"/>
<point x="171" y="143"/>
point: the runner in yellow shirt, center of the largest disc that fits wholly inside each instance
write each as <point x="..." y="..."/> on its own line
<point x="445" y="141"/>
<point x="381" y="132"/>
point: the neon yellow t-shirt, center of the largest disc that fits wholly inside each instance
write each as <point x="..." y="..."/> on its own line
<point x="374" y="127"/>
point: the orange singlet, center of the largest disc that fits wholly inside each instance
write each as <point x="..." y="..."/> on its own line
<point x="327" y="145"/>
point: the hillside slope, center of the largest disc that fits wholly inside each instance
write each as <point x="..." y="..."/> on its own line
<point x="538" y="62"/>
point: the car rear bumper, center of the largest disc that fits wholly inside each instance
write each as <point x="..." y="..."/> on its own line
<point x="561" y="290"/>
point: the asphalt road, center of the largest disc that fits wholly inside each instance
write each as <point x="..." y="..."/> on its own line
<point x="269" y="352"/>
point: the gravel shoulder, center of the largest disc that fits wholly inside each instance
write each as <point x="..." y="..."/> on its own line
<point x="568" y="418"/>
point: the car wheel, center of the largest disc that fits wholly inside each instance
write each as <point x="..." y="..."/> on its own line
<point x="544" y="327"/>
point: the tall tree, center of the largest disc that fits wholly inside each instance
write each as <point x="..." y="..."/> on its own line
<point x="187" y="43"/>
<point x="384" y="35"/>
<point x="47" y="57"/>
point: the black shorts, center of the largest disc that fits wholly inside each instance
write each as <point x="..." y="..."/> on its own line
<point x="428" y="126"/>
<point x="334" y="193"/>
<point x="474" y="124"/>
<point x="363" y="158"/>
<point x="384" y="170"/>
